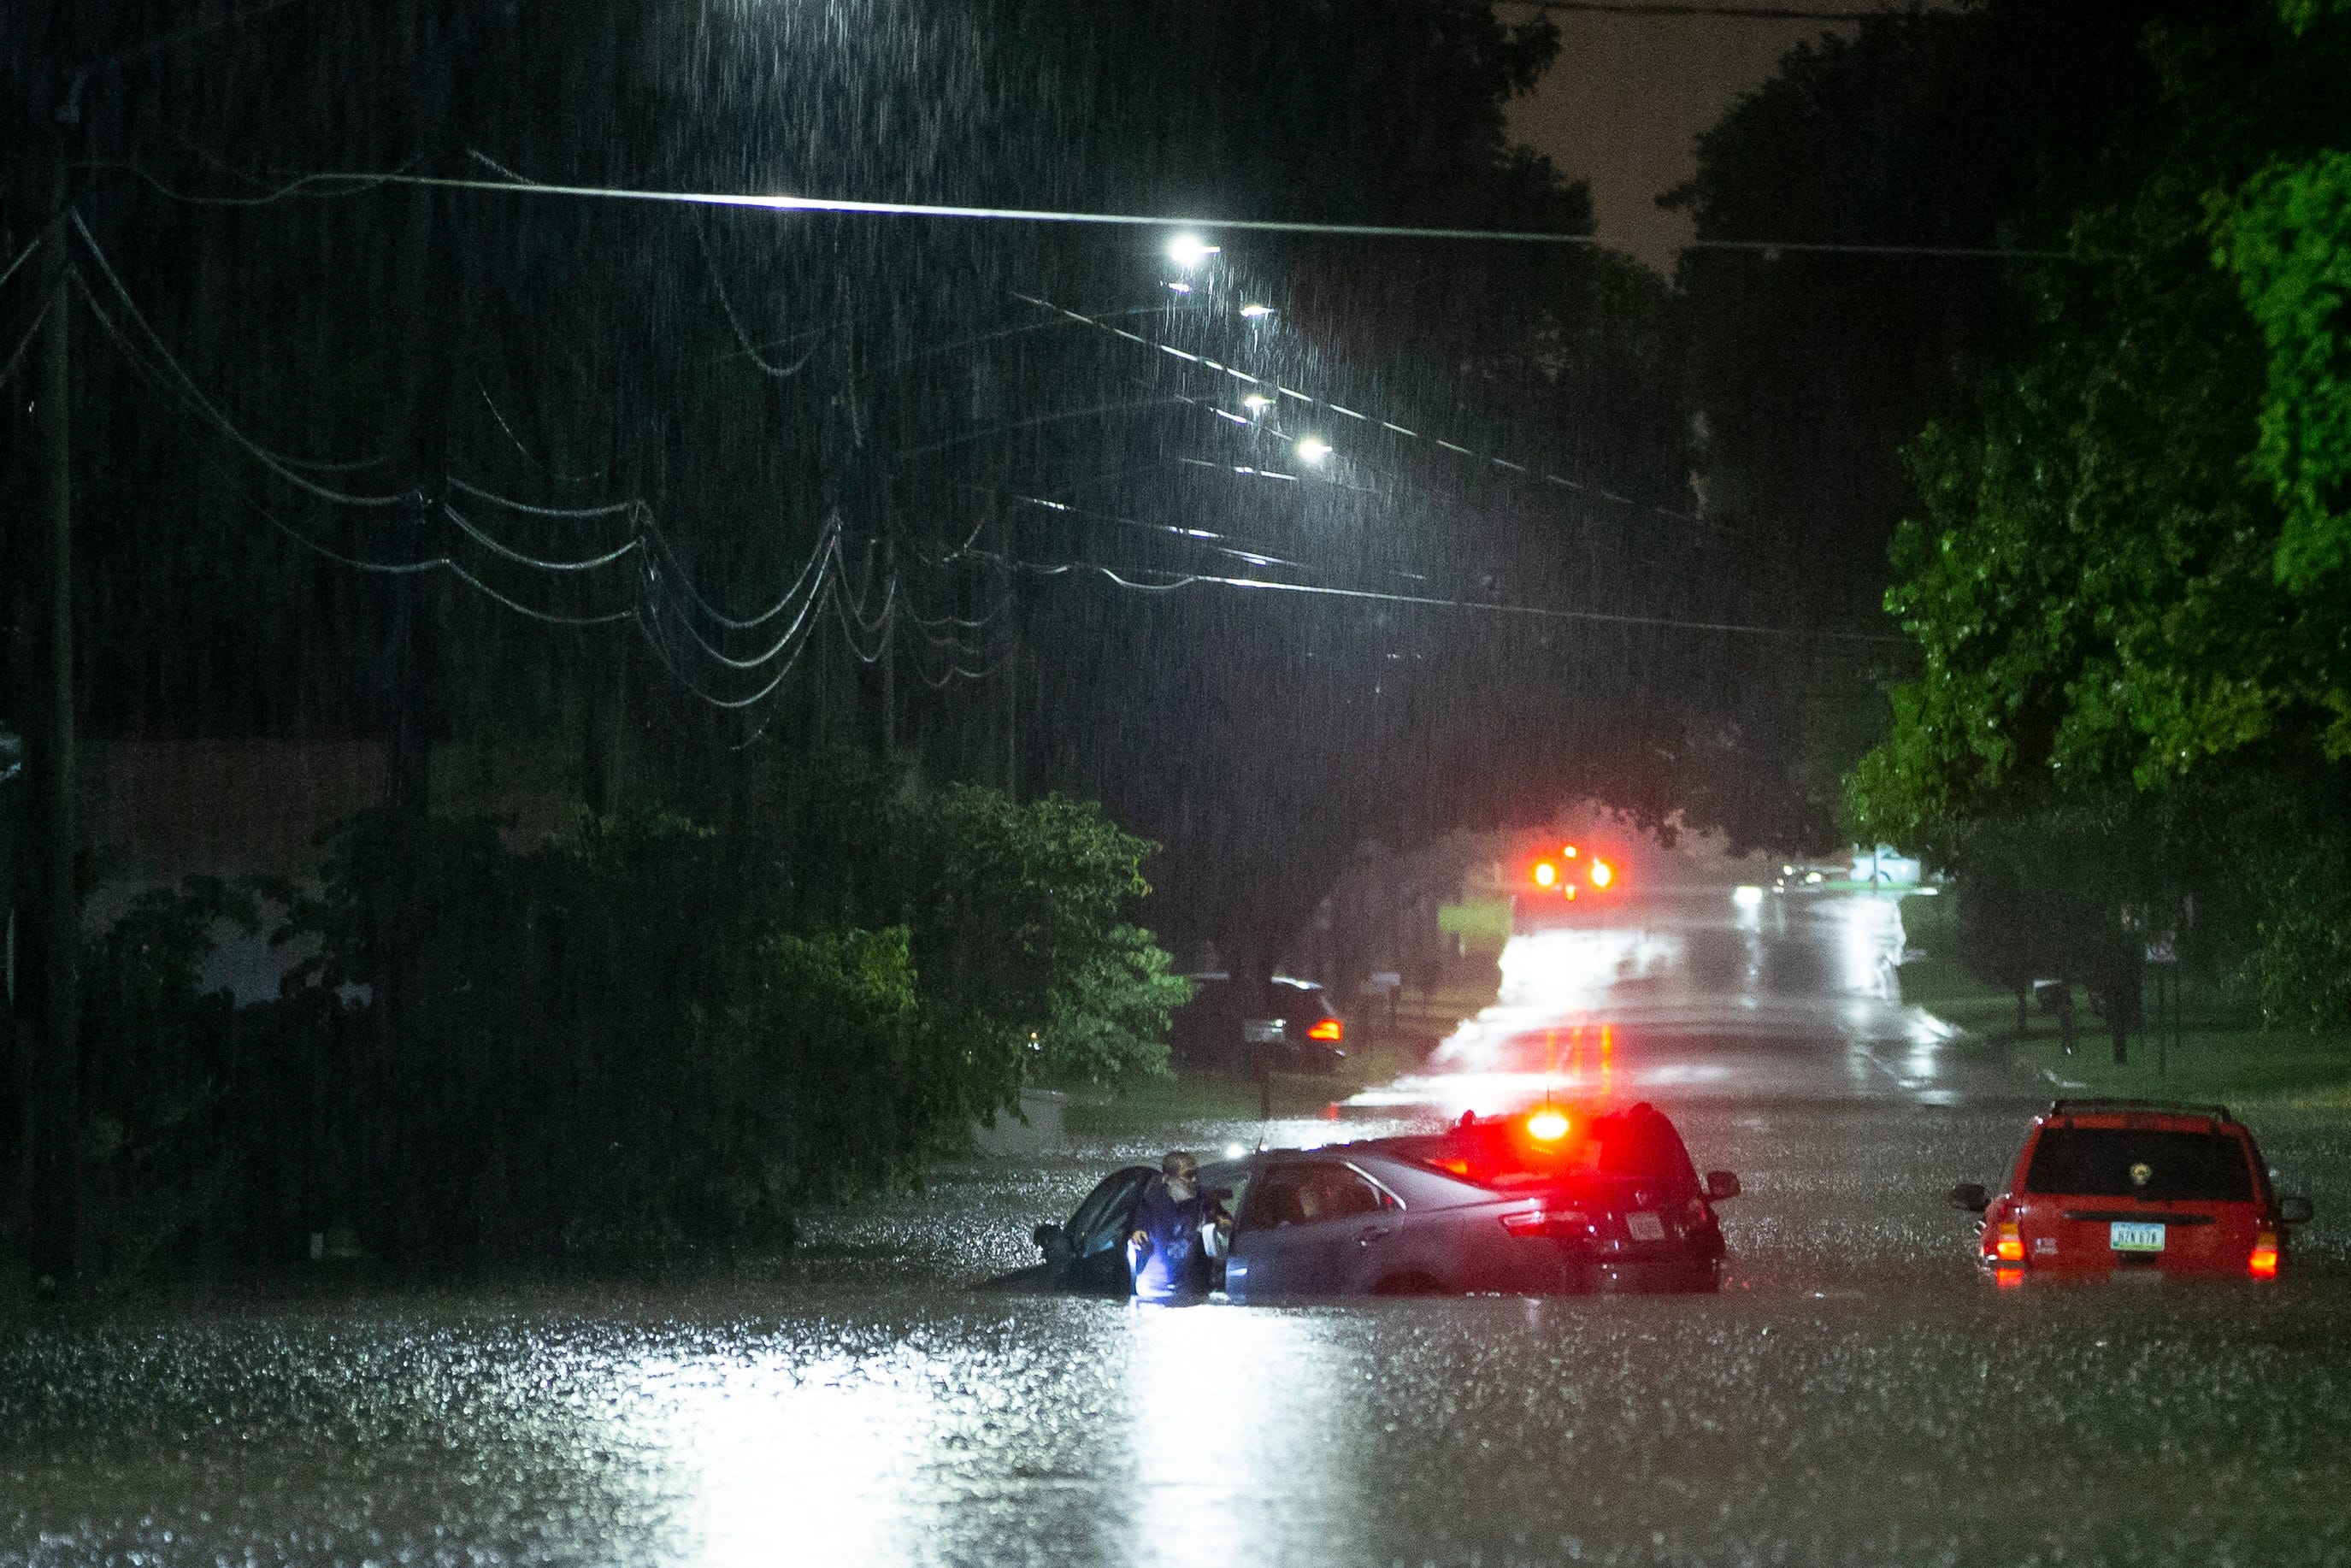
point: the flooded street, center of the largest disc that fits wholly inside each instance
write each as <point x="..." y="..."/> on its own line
<point x="1856" y="1395"/>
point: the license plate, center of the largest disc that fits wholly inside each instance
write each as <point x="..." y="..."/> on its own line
<point x="2135" y="1235"/>
<point x="1649" y="1228"/>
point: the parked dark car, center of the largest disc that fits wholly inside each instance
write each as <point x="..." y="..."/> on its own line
<point x="1563" y="1199"/>
<point x="1237" y="1025"/>
<point x="1295" y="1022"/>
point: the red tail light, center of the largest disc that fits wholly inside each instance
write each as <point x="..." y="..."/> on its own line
<point x="2264" y="1263"/>
<point x="1328" y="1028"/>
<point x="2009" y="1244"/>
<point x="1530" y="1222"/>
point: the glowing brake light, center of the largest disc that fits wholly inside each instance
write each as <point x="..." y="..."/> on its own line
<point x="1547" y="1126"/>
<point x="1603" y="874"/>
<point x="1328" y="1028"/>
<point x="2264" y="1264"/>
<point x="1568" y="850"/>
<point x="1528" y="1222"/>
<point x="1546" y="873"/>
<point x="2009" y="1246"/>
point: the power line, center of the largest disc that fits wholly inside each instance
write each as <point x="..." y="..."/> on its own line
<point x="1709" y="13"/>
<point x="830" y="535"/>
<point x="591" y="564"/>
<point x="1187" y="580"/>
<point x="843" y="205"/>
<point x="868" y="637"/>
<point x="16" y="354"/>
<point x="1390" y="426"/>
<point x="186" y="386"/>
<point x="606" y="510"/>
<point x="23" y="255"/>
<point x="719" y="286"/>
<point x="317" y="187"/>
<point x="490" y="404"/>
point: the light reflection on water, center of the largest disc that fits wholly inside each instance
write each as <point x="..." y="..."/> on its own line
<point x="1220" y="1404"/>
<point x="762" y="1451"/>
<point x="1863" y="1421"/>
<point x="1700" y="993"/>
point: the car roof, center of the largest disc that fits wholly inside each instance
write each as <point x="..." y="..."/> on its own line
<point x="2162" y="1115"/>
<point x="1406" y="1145"/>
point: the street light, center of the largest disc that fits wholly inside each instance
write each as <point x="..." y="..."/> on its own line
<point x="1256" y="402"/>
<point x="1189" y="250"/>
<point x="1256" y="312"/>
<point x="1313" y="449"/>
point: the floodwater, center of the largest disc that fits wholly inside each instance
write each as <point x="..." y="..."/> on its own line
<point x="1858" y="1395"/>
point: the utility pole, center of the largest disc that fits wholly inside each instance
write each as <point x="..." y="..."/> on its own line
<point x="405" y="1180"/>
<point x="49" y="928"/>
<point x="890" y="645"/>
<point x="1011" y="658"/>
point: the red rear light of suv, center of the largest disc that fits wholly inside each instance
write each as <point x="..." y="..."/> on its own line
<point x="1327" y="1029"/>
<point x="2264" y="1263"/>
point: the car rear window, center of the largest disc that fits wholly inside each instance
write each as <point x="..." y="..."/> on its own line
<point x="2132" y="1162"/>
<point x="1638" y="1145"/>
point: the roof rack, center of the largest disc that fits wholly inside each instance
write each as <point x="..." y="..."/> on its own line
<point x="2164" y="1107"/>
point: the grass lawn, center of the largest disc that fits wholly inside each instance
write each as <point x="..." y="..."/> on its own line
<point x="2223" y="1054"/>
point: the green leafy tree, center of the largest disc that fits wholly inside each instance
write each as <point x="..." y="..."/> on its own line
<point x="1018" y="915"/>
<point x="2098" y="571"/>
<point x="2285" y="235"/>
<point x="1110" y="1020"/>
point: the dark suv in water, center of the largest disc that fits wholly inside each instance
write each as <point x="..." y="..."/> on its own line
<point x="1560" y="1199"/>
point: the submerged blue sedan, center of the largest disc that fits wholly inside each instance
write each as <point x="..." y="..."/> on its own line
<point x="1562" y="1200"/>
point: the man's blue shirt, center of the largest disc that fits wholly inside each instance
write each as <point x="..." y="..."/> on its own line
<point x="1170" y="1260"/>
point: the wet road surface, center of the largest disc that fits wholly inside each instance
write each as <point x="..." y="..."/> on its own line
<point x="1857" y="1395"/>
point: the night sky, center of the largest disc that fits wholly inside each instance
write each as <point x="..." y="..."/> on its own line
<point x="1624" y="105"/>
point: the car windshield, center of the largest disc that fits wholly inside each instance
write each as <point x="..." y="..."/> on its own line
<point x="2133" y="1162"/>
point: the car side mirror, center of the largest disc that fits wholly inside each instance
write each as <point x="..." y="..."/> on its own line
<point x="2295" y="1210"/>
<point x="1720" y="1185"/>
<point x="1970" y="1197"/>
<point x="1053" y="1241"/>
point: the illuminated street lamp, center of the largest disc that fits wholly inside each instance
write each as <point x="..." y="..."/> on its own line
<point x="1256" y="402"/>
<point x="1189" y="250"/>
<point x="1313" y="449"/>
<point x="1256" y="312"/>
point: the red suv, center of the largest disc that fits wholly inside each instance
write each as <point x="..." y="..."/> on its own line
<point x="2105" y="1186"/>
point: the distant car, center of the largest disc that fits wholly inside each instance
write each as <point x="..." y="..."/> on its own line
<point x="1559" y="1200"/>
<point x="2105" y="1187"/>
<point x="1295" y="1022"/>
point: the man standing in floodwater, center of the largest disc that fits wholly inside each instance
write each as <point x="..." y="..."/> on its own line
<point x="1167" y="1254"/>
